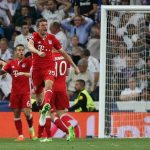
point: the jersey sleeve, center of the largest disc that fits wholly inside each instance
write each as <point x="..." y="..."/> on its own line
<point x="32" y="37"/>
<point x="56" y="43"/>
<point x="7" y="67"/>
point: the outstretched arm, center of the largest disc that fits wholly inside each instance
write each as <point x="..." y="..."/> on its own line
<point x="66" y="4"/>
<point x="68" y="58"/>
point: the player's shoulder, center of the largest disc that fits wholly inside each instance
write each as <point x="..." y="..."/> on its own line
<point x="52" y="36"/>
<point x="33" y="35"/>
<point x="11" y="62"/>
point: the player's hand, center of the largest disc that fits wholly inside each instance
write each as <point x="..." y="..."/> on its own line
<point x="41" y="54"/>
<point x="77" y="71"/>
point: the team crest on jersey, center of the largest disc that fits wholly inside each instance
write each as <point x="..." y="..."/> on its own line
<point x="49" y="41"/>
<point x="23" y="65"/>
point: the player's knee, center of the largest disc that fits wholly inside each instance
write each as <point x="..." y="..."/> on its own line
<point x="16" y="113"/>
<point x="27" y="113"/>
<point x="48" y="85"/>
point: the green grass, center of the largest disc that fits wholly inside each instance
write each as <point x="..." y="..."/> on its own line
<point x="77" y="144"/>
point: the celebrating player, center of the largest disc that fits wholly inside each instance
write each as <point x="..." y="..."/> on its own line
<point x="41" y="44"/>
<point x="20" y="92"/>
<point x="59" y="101"/>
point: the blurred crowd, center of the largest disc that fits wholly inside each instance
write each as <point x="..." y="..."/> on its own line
<point x="76" y="23"/>
<point x="128" y="50"/>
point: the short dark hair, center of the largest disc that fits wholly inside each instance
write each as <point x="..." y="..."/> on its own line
<point x="86" y="52"/>
<point x="39" y="21"/>
<point x="82" y="82"/>
<point x="19" y="45"/>
<point x="56" y="25"/>
<point x="24" y="24"/>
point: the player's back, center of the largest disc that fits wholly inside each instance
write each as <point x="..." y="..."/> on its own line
<point x="61" y="69"/>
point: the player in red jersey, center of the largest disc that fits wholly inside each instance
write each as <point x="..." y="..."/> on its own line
<point x="41" y="45"/>
<point x="59" y="102"/>
<point x="20" y="92"/>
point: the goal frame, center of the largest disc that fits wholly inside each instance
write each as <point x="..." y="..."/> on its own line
<point x="103" y="42"/>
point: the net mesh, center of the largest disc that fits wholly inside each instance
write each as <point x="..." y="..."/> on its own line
<point x="127" y="101"/>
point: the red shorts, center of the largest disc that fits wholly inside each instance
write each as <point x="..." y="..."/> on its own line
<point x="20" y="101"/>
<point x="59" y="101"/>
<point x="41" y="75"/>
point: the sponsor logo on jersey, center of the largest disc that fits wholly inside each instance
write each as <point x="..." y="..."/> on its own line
<point x="23" y="65"/>
<point x="49" y="41"/>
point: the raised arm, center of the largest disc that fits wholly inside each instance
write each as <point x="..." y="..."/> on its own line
<point x="68" y="58"/>
<point x="88" y="22"/>
<point x="93" y="11"/>
<point x="66" y="4"/>
<point x="66" y="24"/>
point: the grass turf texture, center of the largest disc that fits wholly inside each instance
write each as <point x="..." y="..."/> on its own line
<point x="77" y="144"/>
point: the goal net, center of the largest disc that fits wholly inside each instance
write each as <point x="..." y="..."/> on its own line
<point x="125" y="72"/>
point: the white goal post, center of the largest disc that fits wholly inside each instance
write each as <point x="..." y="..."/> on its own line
<point x="103" y="43"/>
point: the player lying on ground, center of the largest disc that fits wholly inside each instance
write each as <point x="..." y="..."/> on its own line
<point x="20" y="92"/>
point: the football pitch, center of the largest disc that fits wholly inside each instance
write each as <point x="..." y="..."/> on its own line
<point x="77" y="144"/>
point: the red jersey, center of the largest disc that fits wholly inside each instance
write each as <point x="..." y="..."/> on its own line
<point x="45" y="45"/>
<point x="20" y="84"/>
<point x="61" y="67"/>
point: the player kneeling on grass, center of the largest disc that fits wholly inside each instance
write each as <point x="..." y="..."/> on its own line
<point x="20" y="92"/>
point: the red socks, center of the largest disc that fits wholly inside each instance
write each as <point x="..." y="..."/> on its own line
<point x="64" y="119"/>
<point x="18" y="125"/>
<point x="40" y="131"/>
<point x="47" y="96"/>
<point x="60" y="125"/>
<point x="47" y="128"/>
